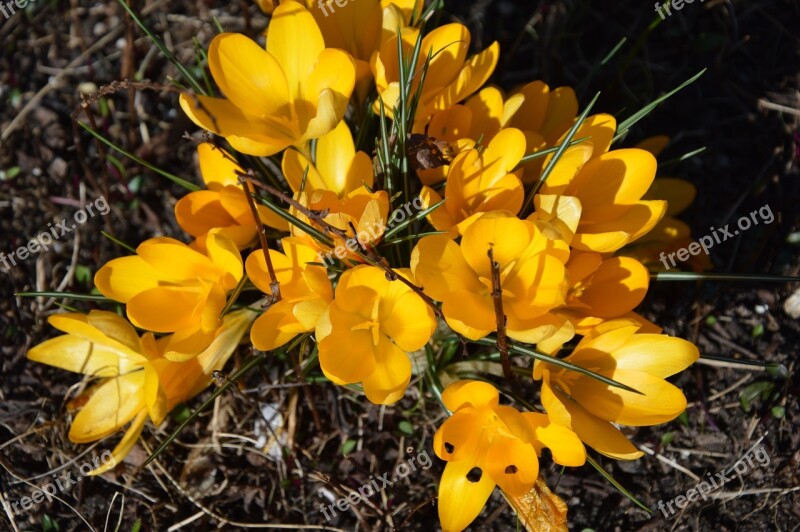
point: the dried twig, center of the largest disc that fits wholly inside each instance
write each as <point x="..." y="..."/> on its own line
<point x="497" y="297"/>
<point x="274" y="285"/>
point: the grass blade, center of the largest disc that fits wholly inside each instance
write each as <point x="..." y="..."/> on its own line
<point x="175" y="179"/>
<point x="629" y="122"/>
<point x="560" y="363"/>
<point x="294" y="220"/>
<point x="164" y="50"/>
<point x="118" y="242"/>
<point x="693" y="276"/>
<point x="411" y="219"/>
<point x="67" y="295"/>
<point x="609" y="477"/>
<point x="559" y="152"/>
<point x="548" y="151"/>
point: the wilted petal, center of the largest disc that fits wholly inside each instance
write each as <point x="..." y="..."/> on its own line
<point x="111" y="405"/>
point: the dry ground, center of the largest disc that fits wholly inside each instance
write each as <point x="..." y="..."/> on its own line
<point x="744" y="110"/>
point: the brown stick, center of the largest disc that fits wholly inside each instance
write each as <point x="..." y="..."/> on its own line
<point x="497" y="297"/>
<point x="274" y="285"/>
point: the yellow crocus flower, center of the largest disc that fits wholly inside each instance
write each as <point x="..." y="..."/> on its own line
<point x="169" y="287"/>
<point x="368" y="330"/>
<point x="294" y="91"/>
<point x="223" y="208"/>
<point x="532" y="277"/>
<point x="137" y="381"/>
<point x="305" y="292"/>
<point x="479" y="182"/>
<point x="615" y="349"/>
<point x="487" y="444"/>
<point x="451" y="76"/>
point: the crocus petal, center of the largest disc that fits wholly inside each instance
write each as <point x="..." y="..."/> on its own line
<point x="609" y="236"/>
<point x="456" y="438"/>
<point x="217" y="167"/>
<point x="410" y="323"/>
<point x="512" y="464"/>
<point x="81" y="356"/>
<point x="565" y="446"/>
<point x="562" y="106"/>
<point x="618" y="285"/>
<point x="598" y="434"/>
<point x="222" y="117"/>
<point x="121" y="279"/>
<point x="124" y="446"/>
<point x="295" y="41"/>
<point x="463" y="491"/>
<point x="101" y="328"/>
<point x="226" y="257"/>
<point x="486" y="108"/>
<point x="654" y="144"/>
<point x="448" y="44"/>
<point x="387" y="384"/>
<point x="678" y="193"/>
<point x="571" y="162"/>
<point x="470" y="314"/>
<point x="476" y="71"/>
<point x="600" y="129"/>
<point x="275" y="327"/>
<point x="200" y="211"/>
<point x="440" y="267"/>
<point x="185" y="344"/>
<point x="658" y="403"/>
<point x="155" y="396"/>
<point x="557" y="216"/>
<point x="345" y="357"/>
<point x="167" y="308"/>
<point x="503" y="153"/>
<point x="441" y="219"/>
<point x="307" y="313"/>
<point x="493" y="232"/>
<point x="250" y="77"/>
<point x="294" y="165"/>
<point x="175" y="261"/>
<point x="658" y="355"/>
<point x="330" y="111"/>
<point x="111" y="405"/>
<point x="335" y="151"/>
<point x="452" y="123"/>
<point x="527" y="108"/>
<point x="466" y="392"/>
<point x="214" y="357"/>
<point x="513" y="424"/>
<point x="626" y="176"/>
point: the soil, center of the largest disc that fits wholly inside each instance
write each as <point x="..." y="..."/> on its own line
<point x="744" y="110"/>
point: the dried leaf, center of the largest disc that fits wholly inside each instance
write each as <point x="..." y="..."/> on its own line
<point x="540" y="509"/>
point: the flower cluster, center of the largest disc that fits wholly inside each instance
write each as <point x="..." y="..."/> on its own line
<point x="525" y="262"/>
